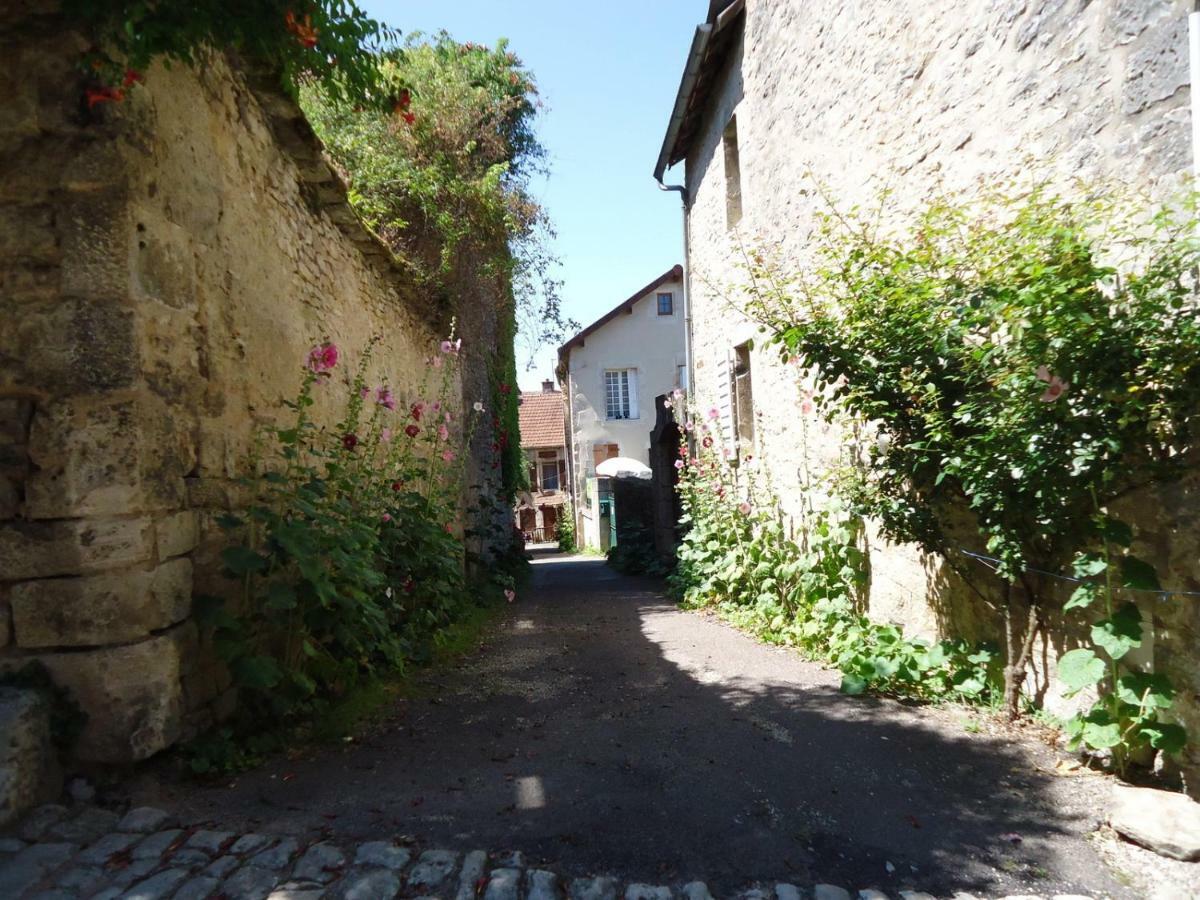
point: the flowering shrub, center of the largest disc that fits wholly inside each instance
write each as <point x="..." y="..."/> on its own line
<point x="348" y="559"/>
<point x="1024" y="357"/>
<point x="328" y="43"/>
<point x="737" y="556"/>
<point x="322" y="42"/>
<point x="566" y="528"/>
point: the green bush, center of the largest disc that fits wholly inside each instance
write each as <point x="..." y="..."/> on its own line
<point x="566" y="528"/>
<point x="736" y="556"/>
<point x="1025" y="356"/>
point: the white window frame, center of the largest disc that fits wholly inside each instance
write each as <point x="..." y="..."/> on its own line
<point x="620" y="394"/>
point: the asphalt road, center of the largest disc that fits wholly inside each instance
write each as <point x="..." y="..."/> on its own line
<point x="602" y="730"/>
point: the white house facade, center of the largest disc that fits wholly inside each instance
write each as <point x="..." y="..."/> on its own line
<point x="611" y="371"/>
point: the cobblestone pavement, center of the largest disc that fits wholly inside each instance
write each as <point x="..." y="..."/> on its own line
<point x="90" y="852"/>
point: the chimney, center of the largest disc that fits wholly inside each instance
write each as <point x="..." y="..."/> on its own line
<point x="547" y="386"/>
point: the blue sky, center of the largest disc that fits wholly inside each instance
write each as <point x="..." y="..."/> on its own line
<point x="608" y="76"/>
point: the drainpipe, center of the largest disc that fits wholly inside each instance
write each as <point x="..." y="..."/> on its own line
<point x="687" y="282"/>
<point x="1194" y="82"/>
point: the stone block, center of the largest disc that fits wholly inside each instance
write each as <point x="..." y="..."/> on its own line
<point x="28" y="233"/>
<point x="94" y="610"/>
<point x="109" y="457"/>
<point x="1157" y="68"/>
<point x="70" y="347"/>
<point x="45" y="549"/>
<point x="176" y="534"/>
<point x="15" y="416"/>
<point x="97" y="236"/>
<point x="5" y="624"/>
<point x="131" y="695"/>
<point x="28" y="759"/>
<point x="1167" y="823"/>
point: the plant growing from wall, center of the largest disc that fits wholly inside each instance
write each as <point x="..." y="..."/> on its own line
<point x="1029" y="357"/>
<point x="348" y="558"/>
<point x="329" y="44"/>
<point x="445" y="174"/>
<point x="737" y="555"/>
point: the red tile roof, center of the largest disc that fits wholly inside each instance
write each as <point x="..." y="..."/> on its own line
<point x="542" y="419"/>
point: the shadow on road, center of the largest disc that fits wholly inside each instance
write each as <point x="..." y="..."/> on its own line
<point x="601" y="729"/>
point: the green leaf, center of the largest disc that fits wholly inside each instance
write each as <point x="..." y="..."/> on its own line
<point x="241" y="560"/>
<point x="260" y="672"/>
<point x="1083" y="596"/>
<point x="229" y="521"/>
<point x="1167" y="737"/>
<point x="1139" y="575"/>
<point x="853" y="684"/>
<point x="1089" y="565"/>
<point x="281" y="596"/>
<point x="1148" y="691"/>
<point x="1079" y="669"/>
<point x="1101" y="735"/>
<point x="1120" y="634"/>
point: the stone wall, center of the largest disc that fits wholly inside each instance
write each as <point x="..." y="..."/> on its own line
<point x="915" y="96"/>
<point x="165" y="265"/>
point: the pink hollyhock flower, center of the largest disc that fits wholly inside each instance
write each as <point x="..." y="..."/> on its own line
<point x="448" y="528"/>
<point x="449" y="418"/>
<point x="447" y="347"/>
<point x="714" y="413"/>
<point x="349" y="441"/>
<point x="387" y="517"/>
<point x="323" y="357"/>
<point x="1055" y="386"/>
<point x="744" y="508"/>
<point x="364" y="392"/>
<point x="448" y="455"/>
<point x="383" y="396"/>
<point x="708" y="441"/>
<point x="386" y="435"/>
<point x="443" y="433"/>
<point x="679" y="464"/>
<point x="417" y="409"/>
<point x="510" y="595"/>
<point x="666" y="404"/>
<point x="412" y="431"/>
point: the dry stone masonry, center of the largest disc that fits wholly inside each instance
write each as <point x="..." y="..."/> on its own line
<point x="165" y="265"/>
<point x="145" y="854"/>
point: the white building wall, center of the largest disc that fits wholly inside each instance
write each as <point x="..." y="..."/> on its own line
<point x="642" y="340"/>
<point x="914" y="95"/>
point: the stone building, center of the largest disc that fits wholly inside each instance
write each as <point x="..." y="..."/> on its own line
<point x="612" y="370"/>
<point x="165" y="265"/>
<point x="543" y="438"/>
<point x="780" y="96"/>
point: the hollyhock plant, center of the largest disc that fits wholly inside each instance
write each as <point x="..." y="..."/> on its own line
<point x="323" y="358"/>
<point x="412" y="431"/>
<point x="384" y="397"/>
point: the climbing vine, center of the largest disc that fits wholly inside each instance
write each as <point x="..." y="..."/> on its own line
<point x="1031" y="358"/>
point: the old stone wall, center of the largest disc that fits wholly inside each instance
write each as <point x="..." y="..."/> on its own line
<point x="165" y="265"/>
<point x="915" y="96"/>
